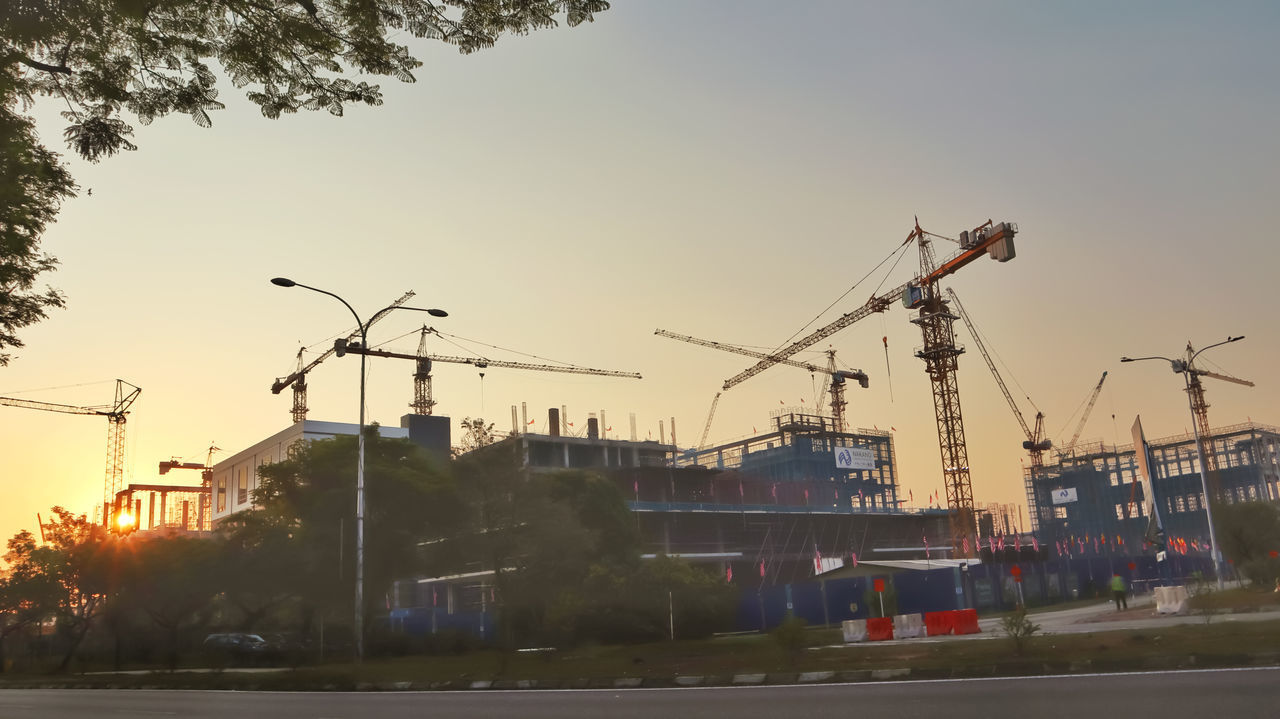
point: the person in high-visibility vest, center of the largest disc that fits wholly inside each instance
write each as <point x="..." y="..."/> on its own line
<point x="1118" y="592"/>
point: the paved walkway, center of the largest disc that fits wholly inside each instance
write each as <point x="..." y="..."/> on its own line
<point x="1099" y="617"/>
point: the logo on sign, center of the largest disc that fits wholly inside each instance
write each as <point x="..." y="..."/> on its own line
<point x="855" y="458"/>
<point x="1063" y="496"/>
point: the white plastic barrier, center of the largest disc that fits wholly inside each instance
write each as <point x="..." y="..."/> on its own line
<point x="906" y="626"/>
<point x="855" y="630"/>
<point x="1172" y="600"/>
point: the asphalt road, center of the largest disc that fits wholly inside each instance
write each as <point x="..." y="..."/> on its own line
<point x="1238" y="694"/>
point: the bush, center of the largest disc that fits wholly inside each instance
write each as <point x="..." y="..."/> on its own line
<point x="1019" y="627"/>
<point x="790" y="635"/>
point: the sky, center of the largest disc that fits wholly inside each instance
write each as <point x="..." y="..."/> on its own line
<point x="727" y="170"/>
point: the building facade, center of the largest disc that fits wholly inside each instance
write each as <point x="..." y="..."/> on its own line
<point x="1094" y="492"/>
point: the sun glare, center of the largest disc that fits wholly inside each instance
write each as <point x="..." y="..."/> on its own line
<point x="124" y="520"/>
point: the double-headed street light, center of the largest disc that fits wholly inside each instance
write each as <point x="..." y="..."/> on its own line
<point x="364" y="341"/>
<point x="1186" y="369"/>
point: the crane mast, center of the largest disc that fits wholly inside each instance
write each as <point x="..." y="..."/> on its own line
<point x="298" y="380"/>
<point x="1200" y="408"/>
<point x="939" y="352"/>
<point x="116" y="414"/>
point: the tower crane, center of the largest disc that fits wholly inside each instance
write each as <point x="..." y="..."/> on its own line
<point x="1200" y="408"/>
<point x="1036" y="443"/>
<point x="115" y="413"/>
<point x="835" y="382"/>
<point x="423" y="403"/>
<point x="206" y="469"/>
<point x="298" y="380"/>
<point x="939" y="351"/>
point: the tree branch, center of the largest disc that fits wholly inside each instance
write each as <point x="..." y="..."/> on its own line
<point x="36" y="64"/>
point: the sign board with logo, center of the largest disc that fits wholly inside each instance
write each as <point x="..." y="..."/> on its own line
<point x="855" y="458"/>
<point x="1064" y="496"/>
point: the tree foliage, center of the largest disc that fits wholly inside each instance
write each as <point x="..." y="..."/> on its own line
<point x="1249" y="532"/>
<point x="108" y="60"/>
<point x="33" y="184"/>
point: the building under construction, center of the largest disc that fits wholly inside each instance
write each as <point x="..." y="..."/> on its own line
<point x="1095" y="492"/>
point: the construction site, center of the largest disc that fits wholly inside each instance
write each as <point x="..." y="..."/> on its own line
<point x="806" y="497"/>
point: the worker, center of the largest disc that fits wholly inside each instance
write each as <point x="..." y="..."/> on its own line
<point x="1118" y="592"/>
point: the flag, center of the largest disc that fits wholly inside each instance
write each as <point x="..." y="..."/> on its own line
<point x="806" y="496"/>
<point x="991" y="540"/>
<point x="635" y="487"/>
<point x="1000" y="543"/>
<point x="762" y="569"/>
<point x="1017" y="542"/>
<point x="728" y="573"/>
<point x="817" y="560"/>
<point x="926" y="545"/>
<point x="893" y="429"/>
<point x="388" y="598"/>
<point x="1035" y="544"/>
<point x="781" y="402"/>
<point x="911" y="496"/>
<point x="741" y="494"/>
<point x="532" y="421"/>
<point x="774" y="491"/>
<point x="433" y="597"/>
<point x="854" y="557"/>
<point x="965" y="543"/>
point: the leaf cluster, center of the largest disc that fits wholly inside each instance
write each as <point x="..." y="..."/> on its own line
<point x="152" y="58"/>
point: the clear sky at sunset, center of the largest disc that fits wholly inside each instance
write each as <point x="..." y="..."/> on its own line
<point x="720" y="169"/>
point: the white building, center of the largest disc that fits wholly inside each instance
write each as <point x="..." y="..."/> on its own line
<point x="235" y="477"/>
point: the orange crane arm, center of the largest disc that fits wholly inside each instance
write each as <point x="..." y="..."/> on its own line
<point x="996" y="240"/>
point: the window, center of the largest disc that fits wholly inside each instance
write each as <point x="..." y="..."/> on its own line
<point x="242" y="486"/>
<point x="222" y="493"/>
<point x="1059" y="512"/>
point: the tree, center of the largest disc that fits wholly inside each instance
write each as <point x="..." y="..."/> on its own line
<point x="151" y="58"/>
<point x="27" y="594"/>
<point x="475" y="434"/>
<point x="301" y="540"/>
<point x="32" y="186"/>
<point x="1249" y="532"/>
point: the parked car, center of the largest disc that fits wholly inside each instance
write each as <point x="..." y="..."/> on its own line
<point x="236" y="646"/>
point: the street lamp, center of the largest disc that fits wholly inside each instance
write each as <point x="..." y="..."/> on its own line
<point x="364" y="342"/>
<point x="1184" y="367"/>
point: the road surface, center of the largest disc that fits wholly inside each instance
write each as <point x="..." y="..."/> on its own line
<point x="1235" y="693"/>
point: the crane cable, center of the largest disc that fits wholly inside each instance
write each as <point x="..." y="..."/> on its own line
<point x="900" y="251"/>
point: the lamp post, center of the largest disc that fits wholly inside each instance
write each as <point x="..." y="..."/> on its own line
<point x="364" y="342"/>
<point x="1185" y="368"/>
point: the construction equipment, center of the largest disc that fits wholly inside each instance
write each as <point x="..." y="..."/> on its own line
<point x="1093" y="398"/>
<point x="939" y="352"/>
<point x="1200" y="408"/>
<point x="422" y="403"/>
<point x="835" y="378"/>
<point x="706" y="430"/>
<point x="298" y="380"/>
<point x="1036" y="443"/>
<point x="115" y="413"/>
<point x="206" y="469"/>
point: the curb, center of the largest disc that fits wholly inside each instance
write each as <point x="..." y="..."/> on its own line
<point x="1001" y="669"/>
